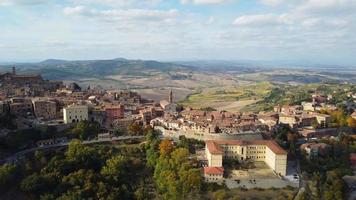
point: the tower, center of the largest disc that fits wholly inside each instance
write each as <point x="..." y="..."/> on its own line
<point x="14" y="70"/>
<point x="171" y="96"/>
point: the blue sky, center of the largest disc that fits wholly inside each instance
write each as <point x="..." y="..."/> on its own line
<point x="316" y="31"/>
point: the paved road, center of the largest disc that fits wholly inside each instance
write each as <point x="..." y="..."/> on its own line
<point x="16" y="156"/>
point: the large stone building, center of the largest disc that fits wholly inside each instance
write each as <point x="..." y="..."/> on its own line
<point x="44" y="109"/>
<point x="256" y="150"/>
<point x="13" y="84"/>
<point x="21" y="107"/>
<point x="75" y="113"/>
<point x="169" y="106"/>
<point x="114" y="112"/>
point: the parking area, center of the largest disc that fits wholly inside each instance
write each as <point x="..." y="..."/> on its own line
<point x="259" y="177"/>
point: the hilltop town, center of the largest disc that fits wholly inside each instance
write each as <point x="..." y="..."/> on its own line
<point x="249" y="150"/>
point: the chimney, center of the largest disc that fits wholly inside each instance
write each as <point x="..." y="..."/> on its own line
<point x="14" y="70"/>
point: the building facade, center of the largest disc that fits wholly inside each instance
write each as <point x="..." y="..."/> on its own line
<point x="256" y="150"/>
<point x="75" y="113"/>
<point x="45" y="110"/>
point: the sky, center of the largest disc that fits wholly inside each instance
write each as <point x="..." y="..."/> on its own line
<point x="315" y="31"/>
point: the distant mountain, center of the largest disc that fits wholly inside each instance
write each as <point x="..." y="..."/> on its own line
<point x="64" y="69"/>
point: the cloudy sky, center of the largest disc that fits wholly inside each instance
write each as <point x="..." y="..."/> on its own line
<point x="318" y="31"/>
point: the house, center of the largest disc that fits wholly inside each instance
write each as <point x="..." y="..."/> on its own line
<point x="290" y="120"/>
<point x="213" y="174"/>
<point x="314" y="150"/>
<point x="322" y="119"/>
<point x="308" y="106"/>
<point x="319" y="133"/>
<point x="114" y="112"/>
<point x="21" y="107"/>
<point x="353" y="115"/>
<point x="102" y="136"/>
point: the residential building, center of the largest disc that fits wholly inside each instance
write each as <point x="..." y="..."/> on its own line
<point x="213" y="174"/>
<point x="44" y="109"/>
<point x="114" y="112"/>
<point x="314" y="150"/>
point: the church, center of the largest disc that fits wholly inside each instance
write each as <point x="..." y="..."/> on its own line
<point x="169" y="106"/>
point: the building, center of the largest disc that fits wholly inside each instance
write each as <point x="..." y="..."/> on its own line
<point x="213" y="174"/>
<point x="44" y="109"/>
<point x="75" y="113"/>
<point x="314" y="150"/>
<point x="308" y="106"/>
<point x="114" y="112"/>
<point x="256" y="150"/>
<point x="290" y="120"/>
<point x="21" y="107"/>
<point x="169" y="106"/>
<point x="318" y="133"/>
<point x="353" y="115"/>
<point x="322" y="119"/>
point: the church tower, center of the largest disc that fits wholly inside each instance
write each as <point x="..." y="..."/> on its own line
<point x="171" y="96"/>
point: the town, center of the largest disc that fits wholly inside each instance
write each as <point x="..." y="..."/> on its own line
<point x="247" y="150"/>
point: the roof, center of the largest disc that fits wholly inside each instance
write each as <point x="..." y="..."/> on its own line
<point x="272" y="145"/>
<point x="164" y="103"/>
<point x="214" y="170"/>
<point x="353" y="114"/>
<point x="213" y="147"/>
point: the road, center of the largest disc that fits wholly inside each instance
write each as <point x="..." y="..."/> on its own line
<point x="16" y="156"/>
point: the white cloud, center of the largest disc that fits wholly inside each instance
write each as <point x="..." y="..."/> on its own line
<point x="272" y="2"/>
<point x="118" y="3"/>
<point x="211" y="20"/>
<point x="120" y="14"/>
<point x="22" y="2"/>
<point x="261" y="20"/>
<point x="201" y="2"/>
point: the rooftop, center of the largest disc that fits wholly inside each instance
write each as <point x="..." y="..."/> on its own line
<point x="214" y="148"/>
<point x="214" y="170"/>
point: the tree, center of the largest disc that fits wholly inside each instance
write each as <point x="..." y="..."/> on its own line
<point x="220" y="194"/>
<point x="7" y="174"/>
<point x="351" y="122"/>
<point x="115" y="167"/>
<point x="165" y="147"/>
<point x="34" y="183"/>
<point x="174" y="175"/>
<point x="85" y="129"/>
<point x="81" y="156"/>
<point x="135" y="129"/>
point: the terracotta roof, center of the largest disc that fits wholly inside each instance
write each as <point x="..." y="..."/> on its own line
<point x="269" y="143"/>
<point x="214" y="170"/>
<point x="213" y="148"/>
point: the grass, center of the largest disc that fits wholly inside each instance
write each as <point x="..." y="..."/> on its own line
<point x="218" y="97"/>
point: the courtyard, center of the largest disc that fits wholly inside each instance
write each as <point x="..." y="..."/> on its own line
<point x="259" y="176"/>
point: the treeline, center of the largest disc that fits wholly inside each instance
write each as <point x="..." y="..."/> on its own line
<point x="81" y="172"/>
<point x="176" y="175"/>
<point x="324" y="173"/>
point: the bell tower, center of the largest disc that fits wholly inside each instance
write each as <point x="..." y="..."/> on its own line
<point x="171" y="96"/>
